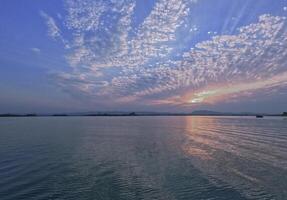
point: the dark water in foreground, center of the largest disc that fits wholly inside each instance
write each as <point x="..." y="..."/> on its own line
<point x="100" y="158"/>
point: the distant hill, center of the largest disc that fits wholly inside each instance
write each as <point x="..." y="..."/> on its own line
<point x="207" y="112"/>
<point x="215" y="113"/>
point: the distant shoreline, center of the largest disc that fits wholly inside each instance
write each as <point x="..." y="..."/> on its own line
<point x="133" y="114"/>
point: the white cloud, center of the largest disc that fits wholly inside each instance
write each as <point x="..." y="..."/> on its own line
<point x="35" y="50"/>
<point x="112" y="58"/>
<point x="256" y="53"/>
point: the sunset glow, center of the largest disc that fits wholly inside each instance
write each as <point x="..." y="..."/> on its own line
<point x="144" y="55"/>
<point x="224" y="92"/>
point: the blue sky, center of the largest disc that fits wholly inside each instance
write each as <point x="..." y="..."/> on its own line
<point x="163" y="55"/>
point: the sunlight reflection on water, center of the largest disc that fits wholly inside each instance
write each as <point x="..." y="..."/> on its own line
<point x="247" y="153"/>
<point x="166" y="158"/>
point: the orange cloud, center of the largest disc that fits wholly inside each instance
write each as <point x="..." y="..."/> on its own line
<point x="213" y="94"/>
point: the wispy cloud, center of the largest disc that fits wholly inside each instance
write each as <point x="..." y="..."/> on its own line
<point x="53" y="29"/>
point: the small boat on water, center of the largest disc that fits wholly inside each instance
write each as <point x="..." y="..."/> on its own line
<point x="259" y="116"/>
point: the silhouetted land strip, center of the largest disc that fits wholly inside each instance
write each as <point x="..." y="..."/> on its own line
<point x="18" y="115"/>
<point x="122" y="114"/>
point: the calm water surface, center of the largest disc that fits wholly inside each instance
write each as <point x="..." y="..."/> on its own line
<point x="122" y="158"/>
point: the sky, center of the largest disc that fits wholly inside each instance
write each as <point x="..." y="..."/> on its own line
<point x="143" y="55"/>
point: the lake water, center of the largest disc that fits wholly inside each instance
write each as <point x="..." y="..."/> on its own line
<point x="122" y="158"/>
